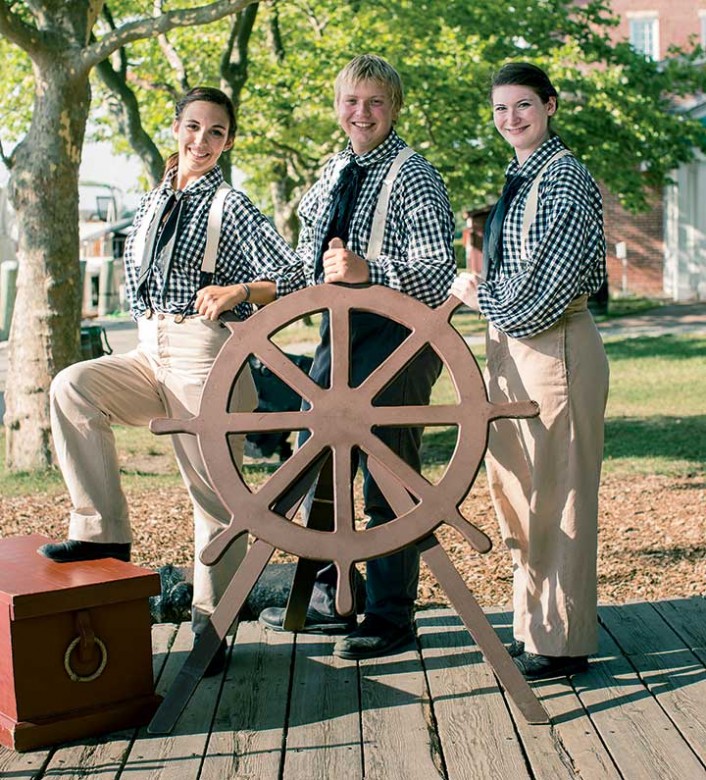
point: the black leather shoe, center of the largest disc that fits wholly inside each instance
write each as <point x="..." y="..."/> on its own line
<point x="374" y="637"/>
<point x="74" y="550"/>
<point x="516" y="648"/>
<point x="538" y="667"/>
<point x="316" y="622"/>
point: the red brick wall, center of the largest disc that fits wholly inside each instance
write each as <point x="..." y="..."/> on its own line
<point x="643" y="235"/>
<point x="678" y="20"/>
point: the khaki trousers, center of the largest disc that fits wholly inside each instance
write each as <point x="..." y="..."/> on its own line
<point x="162" y="377"/>
<point x="544" y="475"/>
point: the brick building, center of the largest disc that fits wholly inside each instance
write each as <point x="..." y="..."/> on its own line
<point x="665" y="246"/>
<point x="652" y="26"/>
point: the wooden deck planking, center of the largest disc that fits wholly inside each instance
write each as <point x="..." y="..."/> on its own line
<point x="477" y="736"/>
<point x="286" y="709"/>
<point x="641" y="739"/>
<point x="397" y="724"/>
<point x="570" y="746"/>
<point x="672" y="673"/>
<point x="323" y="732"/>
<point x="687" y="617"/>
<point x="179" y="754"/>
<point x="247" y="740"/>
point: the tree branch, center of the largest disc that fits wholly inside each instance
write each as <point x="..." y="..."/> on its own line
<point x="19" y="32"/>
<point x="317" y="26"/>
<point x="154" y="86"/>
<point x="127" y="113"/>
<point x="147" y="28"/>
<point x="295" y="154"/>
<point x="121" y="52"/>
<point x="234" y="62"/>
<point x="171" y="54"/>
<point x="274" y="33"/>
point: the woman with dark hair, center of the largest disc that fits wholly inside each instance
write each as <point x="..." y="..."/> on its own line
<point x="198" y="247"/>
<point x="544" y="254"/>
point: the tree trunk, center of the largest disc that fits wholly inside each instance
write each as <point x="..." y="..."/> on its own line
<point x="45" y="332"/>
<point x="285" y="200"/>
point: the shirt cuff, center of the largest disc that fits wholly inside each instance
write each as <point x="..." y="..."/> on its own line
<point x="377" y="273"/>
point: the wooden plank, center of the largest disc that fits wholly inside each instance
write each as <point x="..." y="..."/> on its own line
<point x="22" y="766"/>
<point x="397" y="723"/>
<point x="323" y="735"/>
<point x="546" y="755"/>
<point x="100" y="757"/>
<point x="674" y="676"/>
<point x="247" y="739"/>
<point x="476" y="732"/>
<point x="571" y="746"/>
<point x="688" y="618"/>
<point x="178" y="755"/>
<point x="213" y="632"/>
<point x="642" y="741"/>
<point x="475" y="620"/>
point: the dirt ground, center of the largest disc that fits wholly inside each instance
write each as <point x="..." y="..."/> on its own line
<point x="652" y="538"/>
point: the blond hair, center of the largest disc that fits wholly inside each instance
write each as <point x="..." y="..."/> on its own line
<point x="370" y="67"/>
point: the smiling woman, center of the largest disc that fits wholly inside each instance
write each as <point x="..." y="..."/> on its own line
<point x="543" y="255"/>
<point x="198" y="248"/>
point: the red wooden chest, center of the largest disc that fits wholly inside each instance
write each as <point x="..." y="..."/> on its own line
<point x="75" y="646"/>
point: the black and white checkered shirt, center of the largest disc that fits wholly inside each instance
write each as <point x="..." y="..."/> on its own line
<point x="565" y="248"/>
<point x="417" y="251"/>
<point x="249" y="249"/>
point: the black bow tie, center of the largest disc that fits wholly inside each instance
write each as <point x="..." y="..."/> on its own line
<point x="493" y="231"/>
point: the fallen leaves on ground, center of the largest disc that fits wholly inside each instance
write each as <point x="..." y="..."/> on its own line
<point x="652" y="538"/>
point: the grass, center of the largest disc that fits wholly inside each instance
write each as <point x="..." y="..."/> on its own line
<point x="656" y="416"/>
<point x="655" y="421"/>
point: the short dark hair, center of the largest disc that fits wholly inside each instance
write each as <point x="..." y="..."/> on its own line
<point x="525" y="74"/>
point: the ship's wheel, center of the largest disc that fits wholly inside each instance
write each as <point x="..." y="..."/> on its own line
<point x="341" y="419"/>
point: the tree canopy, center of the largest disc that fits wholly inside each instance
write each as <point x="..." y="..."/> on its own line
<point x="618" y="109"/>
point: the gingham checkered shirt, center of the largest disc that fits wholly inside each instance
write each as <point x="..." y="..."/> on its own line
<point x="417" y="251"/>
<point x="249" y="249"/>
<point x="565" y="248"/>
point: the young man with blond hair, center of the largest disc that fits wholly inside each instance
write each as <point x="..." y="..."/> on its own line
<point x="412" y="254"/>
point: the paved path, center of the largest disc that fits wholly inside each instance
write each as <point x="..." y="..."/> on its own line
<point x="672" y="318"/>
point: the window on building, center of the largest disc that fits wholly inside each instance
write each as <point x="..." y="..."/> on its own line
<point x="702" y="20"/>
<point x="644" y="33"/>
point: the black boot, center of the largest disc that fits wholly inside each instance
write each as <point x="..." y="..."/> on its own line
<point x="540" y="667"/>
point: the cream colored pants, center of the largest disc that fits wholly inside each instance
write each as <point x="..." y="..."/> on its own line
<point x="544" y="475"/>
<point x="162" y="377"/>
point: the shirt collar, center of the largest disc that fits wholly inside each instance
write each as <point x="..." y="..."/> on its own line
<point x="388" y="148"/>
<point x="208" y="181"/>
<point x="536" y="160"/>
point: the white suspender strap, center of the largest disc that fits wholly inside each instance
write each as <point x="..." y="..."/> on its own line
<point x="138" y="247"/>
<point x="377" y="231"/>
<point x="213" y="229"/>
<point x="530" y="211"/>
